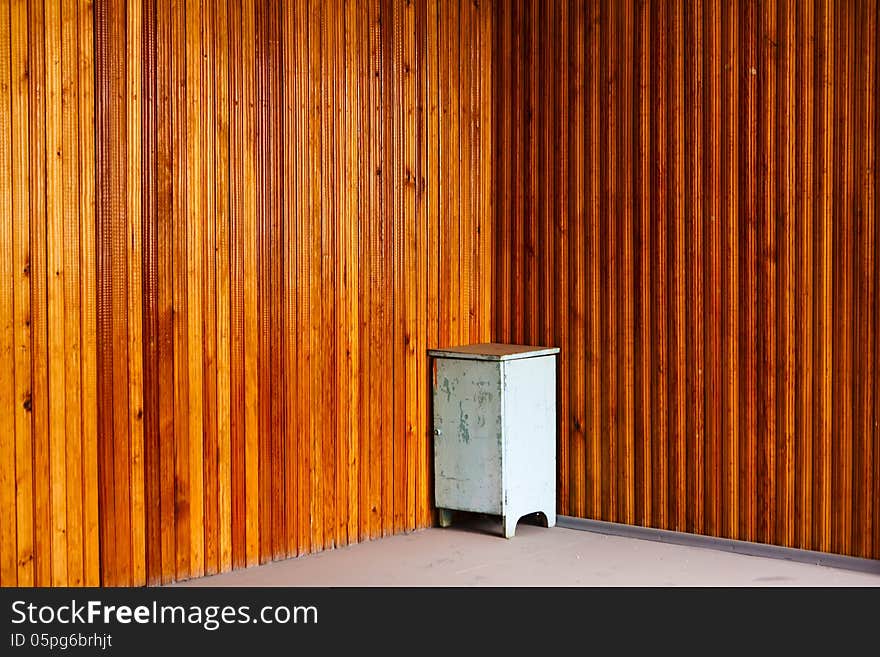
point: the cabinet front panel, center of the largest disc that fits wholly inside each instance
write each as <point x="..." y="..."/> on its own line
<point x="467" y="435"/>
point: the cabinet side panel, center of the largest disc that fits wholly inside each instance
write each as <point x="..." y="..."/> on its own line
<point x="530" y="434"/>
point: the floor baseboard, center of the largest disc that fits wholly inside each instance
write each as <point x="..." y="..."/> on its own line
<point x="858" y="564"/>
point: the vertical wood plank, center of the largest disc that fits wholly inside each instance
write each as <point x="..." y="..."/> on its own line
<point x="804" y="404"/>
<point x="282" y="328"/>
<point x="625" y="328"/>
<point x="504" y="63"/>
<point x="39" y="301"/>
<point x="8" y="537"/>
<point x="748" y="189"/>
<point x="314" y="137"/>
<point x="659" y="268"/>
<point x="55" y="294"/>
<point x="223" y="265"/>
<point x="579" y="386"/>
<point x="561" y="257"/>
<point x="252" y="525"/>
<point x="158" y="413"/>
<point x="677" y="285"/>
<point x="118" y="253"/>
<point x="876" y="447"/>
<point x="354" y="100"/>
<point x="181" y="306"/>
<point x="288" y="122"/>
<point x="693" y="236"/>
<point x="413" y="348"/>
<point x="341" y="321"/>
<point x="866" y="323"/>
<point x="486" y="183"/>
<point x="376" y="327"/>
<point x="786" y="293"/>
<point x="264" y="396"/>
<point x="593" y="333"/>
<point x="69" y="193"/>
<point x="24" y="532"/>
<point x="466" y="170"/>
<point x="386" y="254"/>
<point x="530" y="233"/>
<point x="842" y="282"/>
<point x="432" y="212"/>
<point x="398" y="257"/>
<point x="642" y="255"/>
<point x="194" y="272"/>
<point x="150" y="310"/>
<point x="365" y="181"/>
<point x="730" y="274"/>
<point x="712" y="210"/>
<point x="748" y="407"/>
<point x="609" y="259"/>
<point x="208" y="284"/>
<point x="106" y="499"/>
<point x="303" y="264"/>
<point x="824" y="136"/>
<point x="547" y="162"/>
<point x="424" y="201"/>
<point x="236" y="291"/>
<point x="514" y="153"/>
<point x="166" y="307"/>
<point x="133" y="245"/>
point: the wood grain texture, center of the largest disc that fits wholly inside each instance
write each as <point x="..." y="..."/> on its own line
<point x="23" y="337"/>
<point x="235" y="227"/>
<point x="748" y="293"/>
<point x="49" y="483"/>
<point x="39" y="308"/>
<point x="718" y="221"/>
<point x="278" y="203"/>
<point x="55" y="293"/>
<point x="8" y="535"/>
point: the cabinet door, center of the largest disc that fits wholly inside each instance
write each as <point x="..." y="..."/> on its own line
<point x="467" y="435"/>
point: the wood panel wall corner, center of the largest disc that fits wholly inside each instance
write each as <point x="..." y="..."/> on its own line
<point x="232" y="228"/>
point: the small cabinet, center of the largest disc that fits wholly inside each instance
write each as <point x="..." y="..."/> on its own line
<point x="494" y="419"/>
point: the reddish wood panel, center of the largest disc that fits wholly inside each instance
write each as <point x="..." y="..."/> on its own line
<point x="713" y="266"/>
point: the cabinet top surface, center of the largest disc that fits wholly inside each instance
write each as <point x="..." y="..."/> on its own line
<point x="493" y="351"/>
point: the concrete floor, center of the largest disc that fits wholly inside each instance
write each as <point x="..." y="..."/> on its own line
<point x="469" y="554"/>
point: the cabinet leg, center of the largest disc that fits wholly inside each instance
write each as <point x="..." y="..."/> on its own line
<point x="444" y="517"/>
<point x="509" y="525"/>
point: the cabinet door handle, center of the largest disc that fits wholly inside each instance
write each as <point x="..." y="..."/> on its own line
<point x="437" y="432"/>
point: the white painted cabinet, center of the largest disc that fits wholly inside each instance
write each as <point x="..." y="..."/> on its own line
<point x="495" y="431"/>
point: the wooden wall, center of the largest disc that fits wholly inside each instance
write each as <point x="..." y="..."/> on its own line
<point x="49" y="527"/>
<point x="310" y="179"/>
<point x="233" y="293"/>
<point x="687" y="203"/>
<point x="234" y="227"/>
